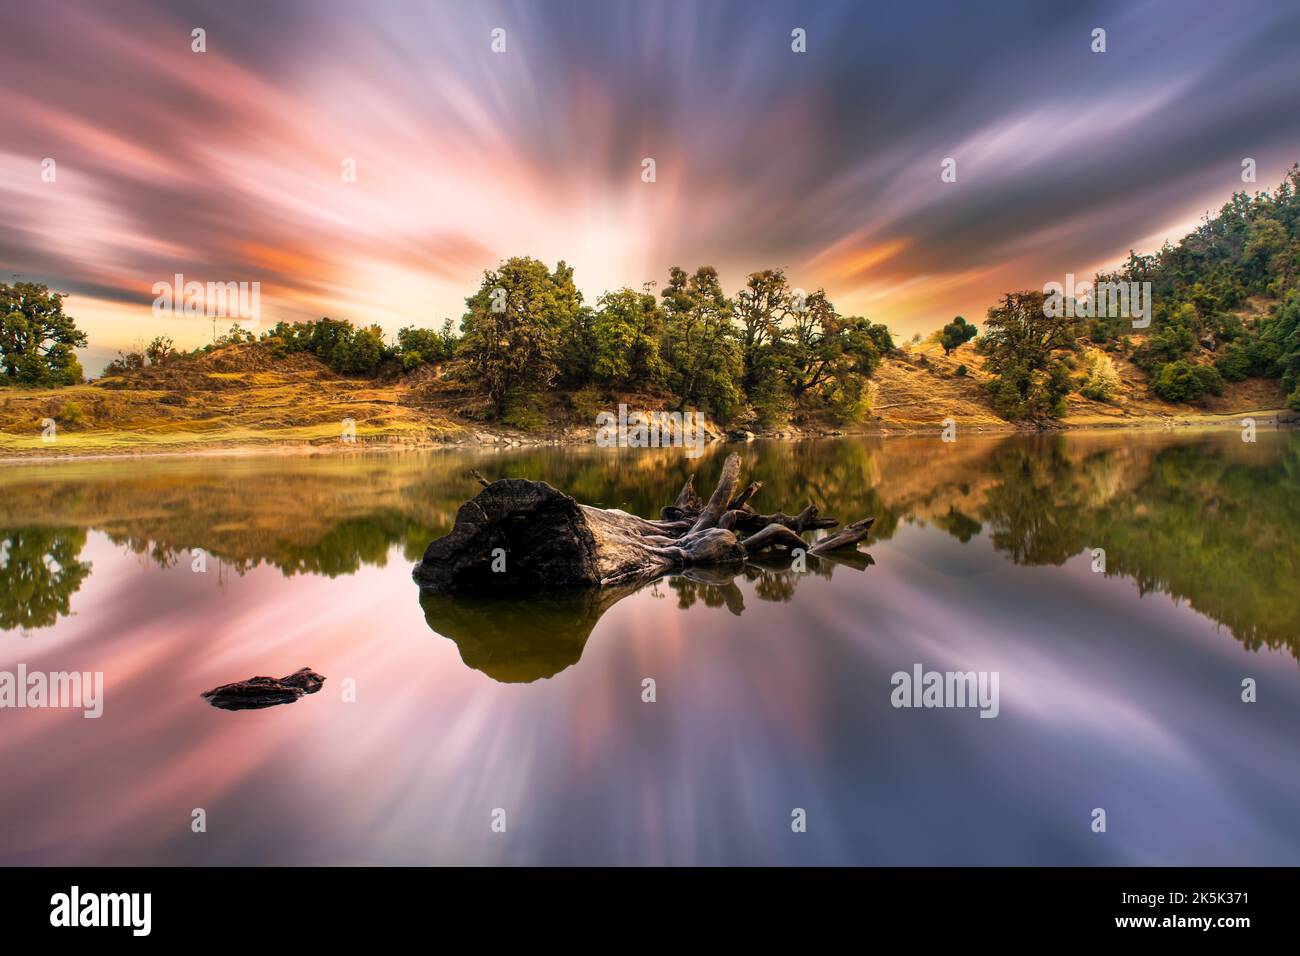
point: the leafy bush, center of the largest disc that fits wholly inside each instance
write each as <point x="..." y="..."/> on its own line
<point x="124" y="363"/>
<point x="1026" y="351"/>
<point x="416" y="346"/>
<point x="853" y="400"/>
<point x="1182" y="381"/>
<point x="336" y="342"/>
<point x="587" y="403"/>
<point x="71" y="413"/>
<point x="1234" y="364"/>
<point x="1100" y="381"/>
<point x="161" y="349"/>
<point x="523" y="411"/>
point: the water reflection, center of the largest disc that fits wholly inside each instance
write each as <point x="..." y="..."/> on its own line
<point x="40" y="570"/>
<point x="773" y="686"/>
<point x="1202" y="517"/>
<point x="521" y="640"/>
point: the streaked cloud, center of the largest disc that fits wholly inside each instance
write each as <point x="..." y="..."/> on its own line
<point x="226" y="165"/>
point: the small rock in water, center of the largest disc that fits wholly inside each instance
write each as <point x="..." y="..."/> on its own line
<point x="257" y="692"/>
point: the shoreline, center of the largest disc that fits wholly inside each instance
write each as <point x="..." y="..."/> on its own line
<point x="490" y="441"/>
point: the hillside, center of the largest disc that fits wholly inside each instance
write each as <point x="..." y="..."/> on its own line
<point x="920" y="387"/>
<point x="244" y="398"/>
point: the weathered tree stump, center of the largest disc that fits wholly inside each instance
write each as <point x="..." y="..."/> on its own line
<point x="526" y="536"/>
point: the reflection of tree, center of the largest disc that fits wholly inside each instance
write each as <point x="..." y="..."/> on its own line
<point x="1219" y="533"/>
<point x="39" y="573"/>
<point x="1033" y="508"/>
<point x="774" y="579"/>
<point x="334" y="516"/>
<point x="1208" y="520"/>
<point x="341" y="550"/>
<point x="959" y="524"/>
<point x="709" y="593"/>
<point x="1194" y="521"/>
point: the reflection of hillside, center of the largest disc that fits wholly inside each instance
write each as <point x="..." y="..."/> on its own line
<point x="1218" y="533"/>
<point x="1204" y="522"/>
<point x="1201" y="517"/>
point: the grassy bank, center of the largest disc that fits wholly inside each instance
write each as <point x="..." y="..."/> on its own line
<point x="243" y="401"/>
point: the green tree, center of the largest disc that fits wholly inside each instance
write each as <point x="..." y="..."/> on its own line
<point x="514" y="326"/>
<point x="358" y="352"/>
<point x="1022" y="345"/>
<point x="37" y="338"/>
<point x="417" y="346"/>
<point x="956" y="334"/>
<point x="761" y="309"/>
<point x="628" y="329"/>
<point x="161" y="349"/>
<point x="701" y="347"/>
<point x="815" y="344"/>
<point x="1100" y="379"/>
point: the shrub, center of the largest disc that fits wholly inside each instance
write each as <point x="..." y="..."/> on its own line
<point x="1100" y="381"/>
<point x="130" y="362"/>
<point x="71" y="413"/>
<point x="853" y="400"/>
<point x="587" y="403"/>
<point x="956" y="334"/>
<point x="1234" y="364"/>
<point x="1183" y="382"/>
<point x="523" y="411"/>
<point x="417" y="346"/>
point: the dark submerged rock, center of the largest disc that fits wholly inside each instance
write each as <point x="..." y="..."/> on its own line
<point x="258" y="692"/>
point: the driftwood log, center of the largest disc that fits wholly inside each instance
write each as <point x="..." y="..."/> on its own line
<point x="525" y="536"/>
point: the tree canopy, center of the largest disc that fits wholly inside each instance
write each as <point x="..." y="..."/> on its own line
<point x="37" y="337"/>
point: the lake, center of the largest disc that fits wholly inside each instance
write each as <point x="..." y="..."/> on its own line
<point x="504" y="730"/>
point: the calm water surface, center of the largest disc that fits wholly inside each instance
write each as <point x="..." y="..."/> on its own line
<point x="1119" y="690"/>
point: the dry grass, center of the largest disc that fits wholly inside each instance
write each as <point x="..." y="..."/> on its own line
<point x="246" y="398"/>
<point x="214" y="401"/>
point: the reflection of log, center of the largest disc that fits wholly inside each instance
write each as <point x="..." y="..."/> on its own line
<point x="515" y="641"/>
<point x="526" y="638"/>
<point x="525" y="536"/>
<point x="845" y="537"/>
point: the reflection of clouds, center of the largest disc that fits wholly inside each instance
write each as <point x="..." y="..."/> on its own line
<point x="1107" y="698"/>
<point x="1124" y="702"/>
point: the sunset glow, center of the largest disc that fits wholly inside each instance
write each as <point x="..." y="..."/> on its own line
<point x="225" y="165"/>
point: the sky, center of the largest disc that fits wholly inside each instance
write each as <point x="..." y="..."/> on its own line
<point x="228" y="165"/>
